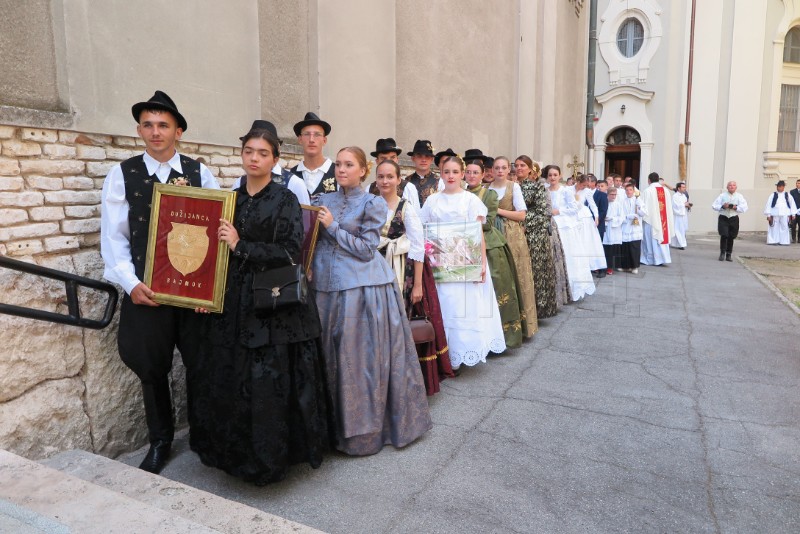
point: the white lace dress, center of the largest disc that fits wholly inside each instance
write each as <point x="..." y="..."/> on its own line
<point x="469" y="310"/>
<point x="581" y="282"/>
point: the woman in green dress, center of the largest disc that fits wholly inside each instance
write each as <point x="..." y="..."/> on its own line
<point x="501" y="263"/>
<point x="537" y="231"/>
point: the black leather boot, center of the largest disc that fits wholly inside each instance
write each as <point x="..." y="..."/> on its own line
<point x="160" y="427"/>
<point x="721" y="256"/>
<point x="156" y="457"/>
<point x="728" y="256"/>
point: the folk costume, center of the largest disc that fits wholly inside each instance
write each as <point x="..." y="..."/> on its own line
<point x="659" y="225"/>
<point x="322" y="179"/>
<point x="428" y="184"/>
<point x="405" y="190"/>
<point x="728" y="221"/>
<point x="260" y="398"/>
<point x="503" y="271"/>
<point x="148" y="335"/>
<point x="538" y="227"/>
<point x="510" y="198"/>
<point x="402" y="240"/>
<point x="563" y="291"/>
<point x="588" y="213"/>
<point x="372" y="367"/>
<point x="471" y="316"/>
<point x="779" y="209"/>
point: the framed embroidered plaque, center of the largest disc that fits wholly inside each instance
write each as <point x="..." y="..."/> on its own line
<point x="186" y="265"/>
<point x="310" y="234"/>
<point x="454" y="251"/>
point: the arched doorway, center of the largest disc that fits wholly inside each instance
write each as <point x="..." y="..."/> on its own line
<point x="623" y="153"/>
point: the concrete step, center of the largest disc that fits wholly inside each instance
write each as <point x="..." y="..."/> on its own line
<point x="35" y="498"/>
<point x="172" y="497"/>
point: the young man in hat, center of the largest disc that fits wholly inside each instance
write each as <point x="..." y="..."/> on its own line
<point x="317" y="171"/>
<point x="423" y="178"/>
<point x="488" y="175"/>
<point x="780" y="210"/>
<point x="280" y="175"/>
<point x="388" y="149"/>
<point x="149" y="333"/>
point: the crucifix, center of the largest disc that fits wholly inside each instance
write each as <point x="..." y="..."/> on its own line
<point x="575" y="166"/>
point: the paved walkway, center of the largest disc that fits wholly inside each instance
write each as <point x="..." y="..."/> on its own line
<point x="666" y="402"/>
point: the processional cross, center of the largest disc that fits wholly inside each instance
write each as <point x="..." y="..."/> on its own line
<point x="575" y="166"/>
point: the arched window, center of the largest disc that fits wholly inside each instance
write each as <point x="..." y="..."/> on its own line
<point x="791" y="46"/>
<point x="623" y="136"/>
<point x="630" y="37"/>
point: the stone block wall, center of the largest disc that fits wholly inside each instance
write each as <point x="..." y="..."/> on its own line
<point x="62" y="387"/>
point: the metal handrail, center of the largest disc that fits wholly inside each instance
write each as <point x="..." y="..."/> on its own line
<point x="71" y="282"/>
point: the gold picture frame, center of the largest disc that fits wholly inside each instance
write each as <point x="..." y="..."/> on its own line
<point x="310" y="234"/>
<point x="186" y="264"/>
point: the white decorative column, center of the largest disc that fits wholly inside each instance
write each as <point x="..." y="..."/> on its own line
<point x="599" y="161"/>
<point x="645" y="163"/>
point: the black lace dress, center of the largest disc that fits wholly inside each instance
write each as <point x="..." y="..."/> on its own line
<point x="259" y="397"/>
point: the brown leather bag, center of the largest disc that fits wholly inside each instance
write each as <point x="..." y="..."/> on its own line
<point x="421" y="328"/>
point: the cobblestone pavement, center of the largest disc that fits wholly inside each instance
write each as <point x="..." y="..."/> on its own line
<point x="666" y="402"/>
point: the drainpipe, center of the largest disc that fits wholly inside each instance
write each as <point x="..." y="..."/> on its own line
<point x="684" y="152"/>
<point x="590" y="74"/>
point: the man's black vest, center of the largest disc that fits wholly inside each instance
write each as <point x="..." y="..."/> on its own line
<point x="775" y="198"/>
<point x="326" y="185"/>
<point x="139" y="194"/>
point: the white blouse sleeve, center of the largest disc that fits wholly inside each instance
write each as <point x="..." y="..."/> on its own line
<point x="411" y="194"/>
<point x="414" y="232"/>
<point x="476" y="208"/>
<point x="517" y="198"/>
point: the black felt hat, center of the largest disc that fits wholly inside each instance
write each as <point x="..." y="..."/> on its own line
<point x="475" y="153"/>
<point x="422" y="147"/>
<point x="160" y="100"/>
<point x="442" y="153"/>
<point x="488" y="162"/>
<point x="385" y="145"/>
<point x="259" y="124"/>
<point x="780" y="183"/>
<point x="311" y="119"/>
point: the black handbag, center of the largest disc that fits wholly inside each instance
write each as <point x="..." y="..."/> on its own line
<point x="280" y="287"/>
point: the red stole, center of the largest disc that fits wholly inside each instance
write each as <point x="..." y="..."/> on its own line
<point x="662" y="213"/>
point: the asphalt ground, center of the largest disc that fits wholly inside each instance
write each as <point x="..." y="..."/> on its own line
<point x="666" y="402"/>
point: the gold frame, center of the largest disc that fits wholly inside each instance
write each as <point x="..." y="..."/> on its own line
<point x="228" y="199"/>
<point x="314" y="236"/>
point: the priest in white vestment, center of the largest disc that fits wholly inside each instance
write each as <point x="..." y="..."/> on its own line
<point x="659" y="224"/>
<point x="780" y="209"/>
<point x="680" y="210"/>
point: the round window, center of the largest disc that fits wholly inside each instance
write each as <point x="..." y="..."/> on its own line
<point x="630" y="37"/>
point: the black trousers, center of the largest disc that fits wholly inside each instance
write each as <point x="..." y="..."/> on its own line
<point x="613" y="256"/>
<point x="728" y="228"/>
<point x="794" y="226"/>
<point x="147" y="340"/>
<point x="631" y="254"/>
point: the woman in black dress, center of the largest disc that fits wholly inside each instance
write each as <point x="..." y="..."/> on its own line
<point x="259" y="399"/>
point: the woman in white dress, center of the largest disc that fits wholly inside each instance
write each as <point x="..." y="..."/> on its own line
<point x="565" y="215"/>
<point x="587" y="215"/>
<point x="469" y="309"/>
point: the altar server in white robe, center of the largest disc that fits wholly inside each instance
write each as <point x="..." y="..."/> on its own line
<point x="659" y="223"/>
<point x="631" y="230"/>
<point x="612" y="237"/>
<point x="780" y="210"/>
<point x="680" y="210"/>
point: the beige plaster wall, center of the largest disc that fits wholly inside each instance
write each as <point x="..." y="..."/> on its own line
<point x="203" y="53"/>
<point x="357" y="71"/>
<point x="456" y="64"/>
<point x="27" y="55"/>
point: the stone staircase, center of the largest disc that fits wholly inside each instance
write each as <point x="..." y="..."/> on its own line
<point x="79" y="492"/>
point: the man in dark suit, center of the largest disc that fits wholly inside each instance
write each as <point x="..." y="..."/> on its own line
<point x="601" y="199"/>
<point x="795" y="224"/>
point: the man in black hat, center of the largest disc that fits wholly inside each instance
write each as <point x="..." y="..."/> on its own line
<point x="423" y="178"/>
<point x="388" y="149"/>
<point x="488" y="175"/>
<point x="149" y="333"/>
<point x="280" y="175"/>
<point x="780" y="210"/>
<point x="317" y="171"/>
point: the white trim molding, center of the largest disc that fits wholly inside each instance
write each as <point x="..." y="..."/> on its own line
<point x="629" y="70"/>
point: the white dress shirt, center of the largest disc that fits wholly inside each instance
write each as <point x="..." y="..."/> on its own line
<point x="312" y="177"/>
<point x="411" y="194"/>
<point x="115" y="246"/>
<point x="726" y="198"/>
